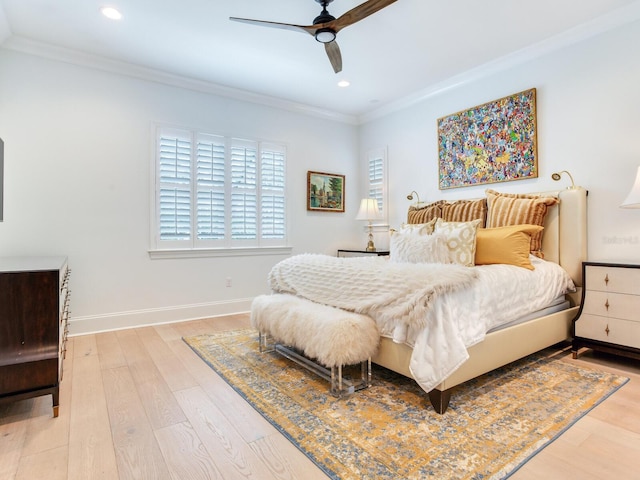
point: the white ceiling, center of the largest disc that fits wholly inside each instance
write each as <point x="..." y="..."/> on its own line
<point x="406" y="50"/>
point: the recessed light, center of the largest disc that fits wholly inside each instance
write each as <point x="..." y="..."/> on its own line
<point x="344" y="83"/>
<point x="111" y="13"/>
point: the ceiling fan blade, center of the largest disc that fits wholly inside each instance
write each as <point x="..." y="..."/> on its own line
<point x="285" y="26"/>
<point x="335" y="57"/>
<point x="358" y="13"/>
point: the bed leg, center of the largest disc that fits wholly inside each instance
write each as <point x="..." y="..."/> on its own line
<point x="440" y="399"/>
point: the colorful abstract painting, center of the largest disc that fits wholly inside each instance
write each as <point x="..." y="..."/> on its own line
<point x="490" y="143"/>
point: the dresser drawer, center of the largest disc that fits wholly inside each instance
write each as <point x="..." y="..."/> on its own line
<point x="620" y="332"/>
<point x="613" y="305"/>
<point x="612" y="279"/>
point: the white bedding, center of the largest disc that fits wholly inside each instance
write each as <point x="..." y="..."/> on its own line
<point x="454" y="320"/>
<point x="461" y="319"/>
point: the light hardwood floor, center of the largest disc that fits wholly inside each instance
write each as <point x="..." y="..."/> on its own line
<point x="139" y="404"/>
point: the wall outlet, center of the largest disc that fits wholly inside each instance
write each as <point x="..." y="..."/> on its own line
<point x="228" y="281"/>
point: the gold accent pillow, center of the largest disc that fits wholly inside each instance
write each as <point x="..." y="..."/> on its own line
<point x="461" y="240"/>
<point x="465" y="211"/>
<point x="507" y="245"/>
<point x="425" y="213"/>
<point x="519" y="209"/>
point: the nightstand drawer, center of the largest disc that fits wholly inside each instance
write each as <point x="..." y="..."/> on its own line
<point x="610" y="330"/>
<point x="613" y="305"/>
<point x="612" y="279"/>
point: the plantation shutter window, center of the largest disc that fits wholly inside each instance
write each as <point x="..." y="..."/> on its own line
<point x="174" y="198"/>
<point x="244" y="197"/>
<point x="210" y="197"/>
<point x="218" y="192"/>
<point x="272" y="206"/>
<point x="377" y="178"/>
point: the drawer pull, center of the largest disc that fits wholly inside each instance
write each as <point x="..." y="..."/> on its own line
<point x="607" y="330"/>
<point x="606" y="305"/>
<point x="606" y="279"/>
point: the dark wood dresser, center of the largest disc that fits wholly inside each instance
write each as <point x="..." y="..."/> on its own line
<point x="34" y="309"/>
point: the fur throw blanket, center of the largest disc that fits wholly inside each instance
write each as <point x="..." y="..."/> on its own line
<point x="387" y="291"/>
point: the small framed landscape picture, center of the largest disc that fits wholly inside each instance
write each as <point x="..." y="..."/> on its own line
<point x="325" y="192"/>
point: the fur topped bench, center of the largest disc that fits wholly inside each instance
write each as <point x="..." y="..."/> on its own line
<point x="331" y="336"/>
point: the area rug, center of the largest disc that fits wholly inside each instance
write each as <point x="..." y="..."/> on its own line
<point x="494" y="423"/>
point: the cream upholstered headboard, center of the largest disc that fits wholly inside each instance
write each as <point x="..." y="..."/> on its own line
<point x="564" y="240"/>
<point x="565" y="231"/>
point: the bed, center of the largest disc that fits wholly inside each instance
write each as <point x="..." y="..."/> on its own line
<point x="562" y="242"/>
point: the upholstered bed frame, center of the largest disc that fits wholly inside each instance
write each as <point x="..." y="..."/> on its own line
<point x="564" y="242"/>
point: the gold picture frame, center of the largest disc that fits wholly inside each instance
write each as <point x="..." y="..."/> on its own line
<point x="325" y="192"/>
<point x="490" y="143"/>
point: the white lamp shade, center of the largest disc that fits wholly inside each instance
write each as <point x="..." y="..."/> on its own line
<point x="368" y="209"/>
<point x="633" y="199"/>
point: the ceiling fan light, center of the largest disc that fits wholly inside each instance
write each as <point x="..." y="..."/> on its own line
<point x="325" y="35"/>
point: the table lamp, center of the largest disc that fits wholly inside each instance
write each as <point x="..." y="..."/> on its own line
<point x="369" y="211"/>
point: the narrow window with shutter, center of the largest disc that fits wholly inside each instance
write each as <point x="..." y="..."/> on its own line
<point x="377" y="178"/>
<point x="217" y="192"/>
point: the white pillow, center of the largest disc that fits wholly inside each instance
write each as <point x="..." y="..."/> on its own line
<point x="407" y="247"/>
<point x="460" y="240"/>
<point x="419" y="228"/>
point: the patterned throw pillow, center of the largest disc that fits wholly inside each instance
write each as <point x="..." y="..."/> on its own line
<point x="465" y="211"/>
<point x="518" y="209"/>
<point x="407" y="247"/>
<point x="460" y="239"/>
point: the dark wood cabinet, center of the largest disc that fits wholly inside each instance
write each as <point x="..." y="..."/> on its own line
<point x="34" y="310"/>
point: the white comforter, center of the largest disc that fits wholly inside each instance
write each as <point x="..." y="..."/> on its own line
<point x="461" y="319"/>
<point x="454" y="320"/>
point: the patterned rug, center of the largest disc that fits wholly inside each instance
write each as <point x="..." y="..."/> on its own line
<point x="494" y="424"/>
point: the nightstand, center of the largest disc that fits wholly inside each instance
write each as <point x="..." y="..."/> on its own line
<point x="362" y="253"/>
<point x="609" y="316"/>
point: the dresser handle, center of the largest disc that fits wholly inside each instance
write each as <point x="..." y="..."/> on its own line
<point x="606" y="279"/>
<point x="607" y="330"/>
<point x="606" y="304"/>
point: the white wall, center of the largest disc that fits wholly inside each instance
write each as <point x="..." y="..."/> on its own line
<point x="78" y="147"/>
<point x="588" y="104"/>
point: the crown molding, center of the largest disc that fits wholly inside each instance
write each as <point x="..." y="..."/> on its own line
<point x="602" y="24"/>
<point x="620" y="17"/>
<point x="74" y="57"/>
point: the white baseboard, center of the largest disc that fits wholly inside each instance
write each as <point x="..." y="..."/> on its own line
<point x="155" y="316"/>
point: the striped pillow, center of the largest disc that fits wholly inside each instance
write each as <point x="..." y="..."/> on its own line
<point x="425" y="213"/>
<point x="517" y="209"/>
<point x="465" y="211"/>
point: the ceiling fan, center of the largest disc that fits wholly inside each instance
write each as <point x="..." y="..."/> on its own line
<point x="325" y="26"/>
